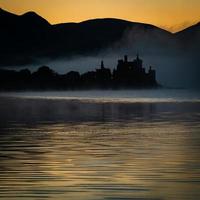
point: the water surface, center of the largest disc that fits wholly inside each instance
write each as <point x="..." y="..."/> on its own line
<point x="137" y="145"/>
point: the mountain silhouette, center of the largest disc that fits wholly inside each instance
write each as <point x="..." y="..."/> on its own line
<point x="29" y="37"/>
<point x="17" y="23"/>
<point x="191" y="38"/>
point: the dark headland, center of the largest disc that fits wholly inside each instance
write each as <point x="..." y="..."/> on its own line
<point x="127" y="75"/>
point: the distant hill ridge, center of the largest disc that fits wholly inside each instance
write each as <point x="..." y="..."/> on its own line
<point x="28" y="37"/>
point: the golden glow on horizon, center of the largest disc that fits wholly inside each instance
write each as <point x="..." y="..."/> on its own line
<point x="172" y="15"/>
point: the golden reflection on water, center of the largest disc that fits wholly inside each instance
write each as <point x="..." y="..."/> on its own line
<point x="59" y="150"/>
<point x="101" y="161"/>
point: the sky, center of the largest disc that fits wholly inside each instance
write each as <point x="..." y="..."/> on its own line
<point x="172" y="15"/>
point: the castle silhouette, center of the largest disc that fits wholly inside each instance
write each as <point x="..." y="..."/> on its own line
<point x="132" y="73"/>
<point x="127" y="74"/>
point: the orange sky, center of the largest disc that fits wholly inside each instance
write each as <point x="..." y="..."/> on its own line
<point x="170" y="14"/>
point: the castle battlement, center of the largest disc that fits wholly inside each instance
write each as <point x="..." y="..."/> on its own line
<point x="132" y="73"/>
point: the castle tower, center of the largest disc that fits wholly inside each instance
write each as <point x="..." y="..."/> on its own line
<point x="152" y="74"/>
<point x="138" y="61"/>
<point x="125" y="58"/>
<point x="137" y="56"/>
<point x="102" y="64"/>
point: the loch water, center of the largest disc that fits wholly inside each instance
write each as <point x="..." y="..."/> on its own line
<point x="100" y="145"/>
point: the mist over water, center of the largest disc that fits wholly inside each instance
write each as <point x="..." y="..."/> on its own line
<point x="172" y="70"/>
<point x="177" y="65"/>
<point x="113" y="96"/>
